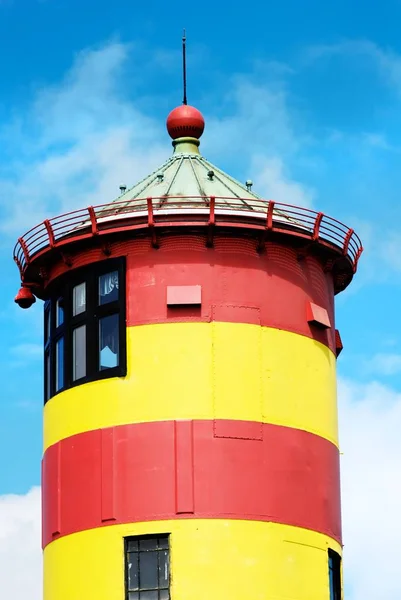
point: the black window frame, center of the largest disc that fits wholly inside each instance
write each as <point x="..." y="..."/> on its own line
<point x="63" y="287"/>
<point x="164" y="546"/>
<point x="334" y="564"/>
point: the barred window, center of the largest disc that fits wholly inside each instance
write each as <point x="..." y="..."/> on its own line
<point x="334" y="575"/>
<point x="147" y="568"/>
<point x="84" y="327"/>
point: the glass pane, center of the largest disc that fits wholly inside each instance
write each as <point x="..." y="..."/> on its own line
<point x="148" y="544"/>
<point x="163" y="568"/>
<point x="133" y="596"/>
<point x="334" y="576"/>
<point x="59" y="364"/>
<point x="132" y="545"/>
<point x="133" y="571"/>
<point x="148" y="570"/>
<point x="47" y="367"/>
<point x="108" y="342"/>
<point x="108" y="287"/>
<point x="148" y="595"/>
<point x="79" y="299"/>
<point x="47" y="324"/>
<point x="59" y="312"/>
<point x="79" y="352"/>
<point x="164" y="595"/>
<point x="163" y="542"/>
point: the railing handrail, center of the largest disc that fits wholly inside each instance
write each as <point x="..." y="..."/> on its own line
<point x="277" y="217"/>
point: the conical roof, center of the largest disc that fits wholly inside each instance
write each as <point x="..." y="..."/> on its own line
<point x="187" y="174"/>
<point x="187" y="180"/>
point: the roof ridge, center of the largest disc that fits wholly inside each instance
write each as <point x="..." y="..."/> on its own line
<point x="232" y="179"/>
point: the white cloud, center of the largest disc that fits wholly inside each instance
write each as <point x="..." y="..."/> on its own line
<point x="80" y="139"/>
<point x="390" y="250"/>
<point x="385" y="364"/>
<point x="257" y="119"/>
<point x="20" y="546"/>
<point x="370" y="424"/>
<point x="273" y="183"/>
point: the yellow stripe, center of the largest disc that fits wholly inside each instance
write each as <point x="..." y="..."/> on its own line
<point x="212" y="559"/>
<point x="206" y="371"/>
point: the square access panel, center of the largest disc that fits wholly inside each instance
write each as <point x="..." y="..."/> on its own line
<point x="184" y="295"/>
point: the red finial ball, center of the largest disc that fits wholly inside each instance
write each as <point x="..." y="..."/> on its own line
<point x="25" y="298"/>
<point x="185" y="121"/>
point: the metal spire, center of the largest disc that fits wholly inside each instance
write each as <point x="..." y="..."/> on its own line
<point x="184" y="67"/>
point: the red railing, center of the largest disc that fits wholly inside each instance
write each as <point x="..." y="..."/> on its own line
<point x="151" y="212"/>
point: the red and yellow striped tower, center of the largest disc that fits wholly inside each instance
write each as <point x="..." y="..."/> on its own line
<point x="190" y="420"/>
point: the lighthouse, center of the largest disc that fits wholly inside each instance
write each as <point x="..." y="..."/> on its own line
<point x="190" y="417"/>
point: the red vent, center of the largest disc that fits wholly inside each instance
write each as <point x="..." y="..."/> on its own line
<point x="339" y="344"/>
<point x="317" y="315"/>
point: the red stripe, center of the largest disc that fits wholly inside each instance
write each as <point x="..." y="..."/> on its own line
<point x="168" y="470"/>
<point x="238" y="285"/>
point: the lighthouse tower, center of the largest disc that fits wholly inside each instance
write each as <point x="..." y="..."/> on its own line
<point x="190" y="418"/>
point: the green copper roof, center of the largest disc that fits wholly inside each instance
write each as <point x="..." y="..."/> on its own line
<point x="188" y="174"/>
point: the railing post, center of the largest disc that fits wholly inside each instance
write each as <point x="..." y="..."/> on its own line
<point x="149" y="203"/>
<point x="212" y="205"/>
<point x="356" y="259"/>
<point x="212" y="222"/>
<point x="316" y="228"/>
<point x="269" y="226"/>
<point x="270" y="210"/>
<point x="24" y="249"/>
<point x="92" y="216"/>
<point x="50" y="233"/>
<point x="347" y="240"/>
<point x="151" y="222"/>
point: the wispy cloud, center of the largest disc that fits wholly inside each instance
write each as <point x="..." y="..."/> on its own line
<point x="81" y="138"/>
<point x="385" y="364"/>
<point x="23" y="355"/>
<point x="267" y="135"/>
<point x="273" y="181"/>
<point x="386" y="60"/>
<point x="28" y="350"/>
<point x="390" y="249"/>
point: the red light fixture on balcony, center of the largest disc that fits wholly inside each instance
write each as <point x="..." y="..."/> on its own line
<point x="24" y="298"/>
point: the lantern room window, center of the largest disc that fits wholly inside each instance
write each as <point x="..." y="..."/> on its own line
<point x="84" y="327"/>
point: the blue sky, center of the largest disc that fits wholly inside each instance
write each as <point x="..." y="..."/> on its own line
<point x="303" y="98"/>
